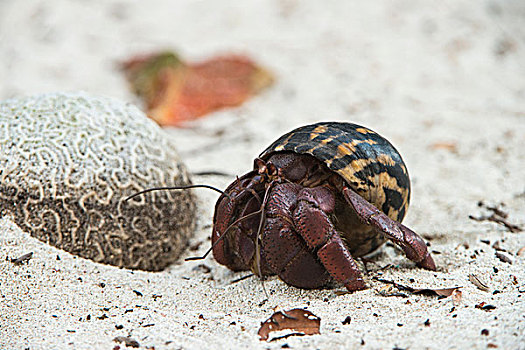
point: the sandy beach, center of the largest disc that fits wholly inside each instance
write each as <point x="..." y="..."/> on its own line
<point x="443" y="81"/>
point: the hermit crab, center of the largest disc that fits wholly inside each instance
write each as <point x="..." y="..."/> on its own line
<point x="318" y="197"/>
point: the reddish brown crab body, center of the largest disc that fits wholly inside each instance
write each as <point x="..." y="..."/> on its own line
<point x="317" y="197"/>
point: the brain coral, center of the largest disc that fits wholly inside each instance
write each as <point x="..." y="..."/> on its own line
<point x="67" y="161"/>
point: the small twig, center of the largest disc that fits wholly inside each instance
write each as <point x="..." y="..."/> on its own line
<point x="295" y="334"/>
<point x="212" y="172"/>
<point x="442" y="292"/>
<point x="242" y="278"/>
<point x="498" y="216"/>
<point x="22" y="259"/>
<point x="397" y="285"/>
<point x="499" y="220"/>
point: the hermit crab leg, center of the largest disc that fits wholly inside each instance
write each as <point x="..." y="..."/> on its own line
<point x="313" y="224"/>
<point x="259" y="231"/>
<point x="412" y="244"/>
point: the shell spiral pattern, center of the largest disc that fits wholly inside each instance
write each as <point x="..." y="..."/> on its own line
<point x="364" y="159"/>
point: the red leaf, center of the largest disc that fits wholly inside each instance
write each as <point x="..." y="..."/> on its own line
<point x="175" y="91"/>
<point x="299" y="320"/>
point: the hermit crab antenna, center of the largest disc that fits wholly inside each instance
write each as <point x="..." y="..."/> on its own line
<point x="176" y="188"/>
<point x="255" y="195"/>
<point x="259" y="230"/>
<point x="247" y="216"/>
<point x="212" y="172"/>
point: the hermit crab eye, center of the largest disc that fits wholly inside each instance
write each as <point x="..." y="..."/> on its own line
<point x="259" y="165"/>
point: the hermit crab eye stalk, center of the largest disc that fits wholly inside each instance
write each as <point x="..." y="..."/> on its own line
<point x="169" y="188"/>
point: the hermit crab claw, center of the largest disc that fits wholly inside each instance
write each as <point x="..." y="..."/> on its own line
<point x="412" y="244"/>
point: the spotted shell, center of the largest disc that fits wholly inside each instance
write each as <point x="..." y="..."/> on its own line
<point x="364" y="159"/>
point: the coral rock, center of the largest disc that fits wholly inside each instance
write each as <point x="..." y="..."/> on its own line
<point x="68" y="161"/>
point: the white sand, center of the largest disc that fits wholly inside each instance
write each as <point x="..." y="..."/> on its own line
<point x="419" y="73"/>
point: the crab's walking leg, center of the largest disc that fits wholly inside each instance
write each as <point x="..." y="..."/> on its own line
<point x="282" y="248"/>
<point x="313" y="224"/>
<point x="412" y="244"/>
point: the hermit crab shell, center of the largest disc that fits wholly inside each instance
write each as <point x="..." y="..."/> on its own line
<point x="368" y="163"/>
<point x="68" y="161"/>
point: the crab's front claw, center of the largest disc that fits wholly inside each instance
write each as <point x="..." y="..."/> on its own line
<point x="312" y="222"/>
<point x="412" y="244"/>
<point x="427" y="263"/>
<point x="415" y="248"/>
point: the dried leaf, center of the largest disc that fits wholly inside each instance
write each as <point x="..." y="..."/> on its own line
<point x="484" y="306"/>
<point x="478" y="283"/>
<point x="129" y="342"/>
<point x="446" y="292"/>
<point x="448" y="146"/>
<point x="503" y="257"/>
<point x="496" y="246"/>
<point x="299" y="320"/>
<point x="342" y="292"/>
<point x="390" y="291"/>
<point x="456" y="297"/>
<point x="175" y="91"/>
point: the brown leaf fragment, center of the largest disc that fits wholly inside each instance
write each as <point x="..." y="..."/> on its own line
<point x="302" y="321"/>
<point x="504" y="257"/>
<point x="484" y="306"/>
<point x="446" y="292"/>
<point x="202" y="268"/>
<point x="521" y="251"/>
<point x="22" y="259"/>
<point x="475" y="280"/>
<point x="175" y="91"/>
<point x="497" y="246"/>
<point x="390" y="291"/>
<point x="456" y="297"/>
<point x="342" y="292"/>
<point x="445" y="145"/>
<point x="127" y="341"/>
